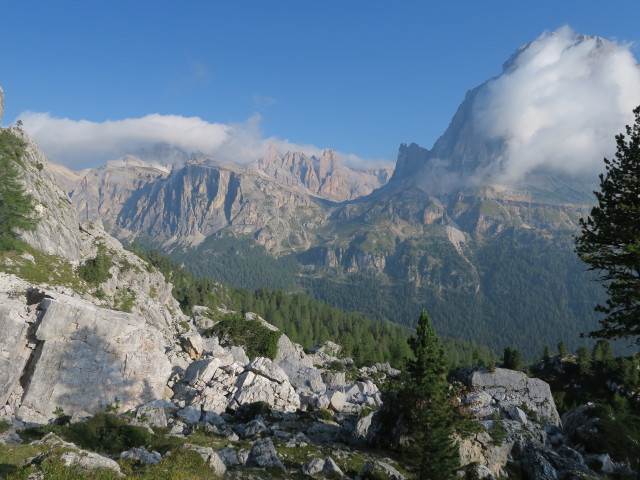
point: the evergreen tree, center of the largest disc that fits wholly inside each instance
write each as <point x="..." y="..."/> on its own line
<point x="562" y="349"/>
<point x="584" y="361"/>
<point x="546" y="353"/>
<point x="610" y="239"/>
<point x="512" y="359"/>
<point x="16" y="206"/>
<point x="431" y="416"/>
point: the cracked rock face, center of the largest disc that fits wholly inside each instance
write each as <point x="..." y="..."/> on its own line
<point x="87" y="356"/>
<point x="512" y="389"/>
<point x="14" y="353"/>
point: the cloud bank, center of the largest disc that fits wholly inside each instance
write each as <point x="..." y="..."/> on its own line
<point x="559" y="103"/>
<point x="79" y="144"/>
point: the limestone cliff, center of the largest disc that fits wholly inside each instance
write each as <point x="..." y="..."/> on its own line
<point x="325" y="177"/>
<point x="132" y="198"/>
<point x="57" y="231"/>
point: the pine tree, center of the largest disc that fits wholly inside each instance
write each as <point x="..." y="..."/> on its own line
<point x="512" y="359"/>
<point x="16" y="206"/>
<point x="610" y="239"/>
<point x="562" y="349"/>
<point x="584" y="361"/>
<point x="432" y="419"/>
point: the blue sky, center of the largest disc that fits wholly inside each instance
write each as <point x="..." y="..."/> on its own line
<point x="360" y="77"/>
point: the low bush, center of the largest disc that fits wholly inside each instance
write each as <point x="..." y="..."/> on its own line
<point x="249" y="411"/>
<point x="104" y="432"/>
<point x="96" y="270"/>
<point x="252" y="335"/>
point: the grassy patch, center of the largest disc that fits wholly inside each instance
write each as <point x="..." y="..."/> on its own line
<point x="43" y="269"/>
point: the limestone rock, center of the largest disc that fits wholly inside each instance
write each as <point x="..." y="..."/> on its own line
<point x="98" y="355"/>
<point x="263" y="454"/>
<point x="337" y="400"/>
<point x="302" y="376"/>
<point x="252" y="387"/>
<point x="192" y="344"/>
<point x="286" y="348"/>
<point x="70" y="455"/>
<point x="313" y="467"/>
<point x="513" y="388"/>
<point x="190" y="415"/>
<point x="382" y="470"/>
<point x="142" y="455"/>
<point x="229" y="457"/>
<point x="518" y="415"/>
<point x="334" y="380"/>
<point x="536" y="466"/>
<point x="89" y="461"/>
<point x="331" y="469"/>
<point x="14" y="324"/>
<point x="211" y="458"/>
<point x="152" y="416"/>
<point x="265" y="367"/>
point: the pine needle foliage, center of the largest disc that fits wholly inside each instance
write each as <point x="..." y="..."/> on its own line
<point x="16" y="206"/>
<point x="610" y="238"/>
<point x="431" y="415"/>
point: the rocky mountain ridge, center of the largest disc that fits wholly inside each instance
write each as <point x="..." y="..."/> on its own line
<point x="325" y="177"/>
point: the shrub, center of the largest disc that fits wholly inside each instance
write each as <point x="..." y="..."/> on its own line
<point x="336" y="366"/>
<point x="105" y="432"/>
<point x="249" y="411"/>
<point x="497" y="432"/>
<point x="96" y="270"/>
<point x="257" y="340"/>
<point x="323" y="414"/>
<point x="4" y="426"/>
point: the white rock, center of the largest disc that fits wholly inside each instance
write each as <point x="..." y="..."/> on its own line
<point x="337" y="400"/>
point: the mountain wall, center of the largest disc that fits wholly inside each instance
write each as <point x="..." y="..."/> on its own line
<point x="325" y="177"/>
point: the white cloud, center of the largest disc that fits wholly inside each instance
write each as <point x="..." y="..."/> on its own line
<point x="559" y="103"/>
<point x="79" y="144"/>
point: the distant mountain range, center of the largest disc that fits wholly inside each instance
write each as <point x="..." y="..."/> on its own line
<point x="491" y="259"/>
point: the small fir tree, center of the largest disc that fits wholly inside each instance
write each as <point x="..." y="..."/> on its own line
<point x="432" y="418"/>
<point x="512" y="359"/>
<point x="562" y="349"/>
<point x="16" y="205"/>
<point x="584" y="361"/>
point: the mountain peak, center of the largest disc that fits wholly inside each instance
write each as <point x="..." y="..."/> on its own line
<point x="325" y="177"/>
<point x="554" y="109"/>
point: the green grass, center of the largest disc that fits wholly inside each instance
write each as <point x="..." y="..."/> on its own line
<point x="44" y="269"/>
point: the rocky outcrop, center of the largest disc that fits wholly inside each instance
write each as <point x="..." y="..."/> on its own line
<point x="87" y="357"/>
<point x="57" y="230"/>
<point x="15" y="321"/>
<point x="510" y="389"/>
